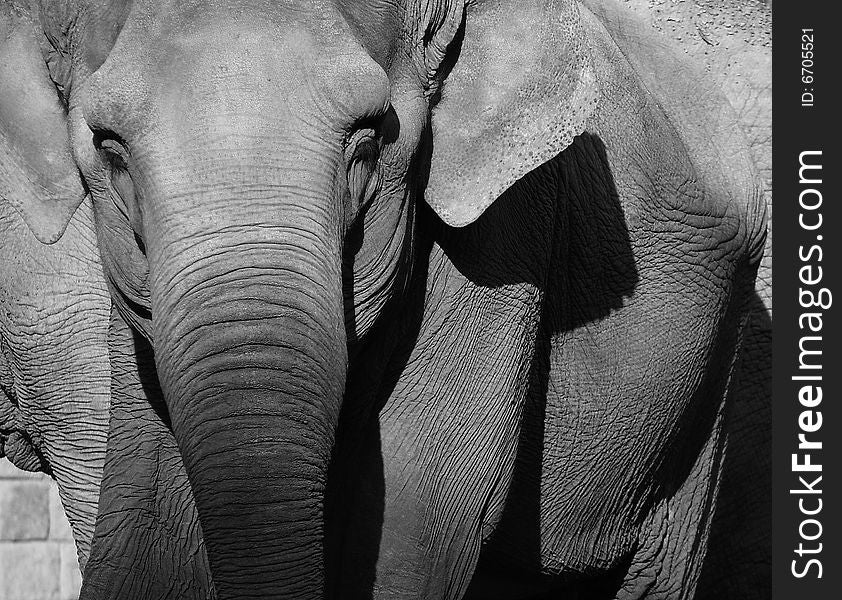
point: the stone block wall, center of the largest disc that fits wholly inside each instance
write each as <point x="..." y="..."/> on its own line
<point x="37" y="553"/>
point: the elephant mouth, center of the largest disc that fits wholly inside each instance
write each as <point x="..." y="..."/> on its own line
<point x="16" y="443"/>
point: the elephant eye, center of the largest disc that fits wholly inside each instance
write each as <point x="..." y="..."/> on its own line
<point x="113" y="150"/>
<point x="122" y="187"/>
<point x="364" y="150"/>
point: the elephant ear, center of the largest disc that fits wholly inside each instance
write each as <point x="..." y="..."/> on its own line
<point x="37" y="173"/>
<point x="520" y="91"/>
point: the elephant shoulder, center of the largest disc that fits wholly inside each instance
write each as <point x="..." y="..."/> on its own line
<point x="670" y="134"/>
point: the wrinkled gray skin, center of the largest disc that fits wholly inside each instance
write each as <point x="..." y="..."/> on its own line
<point x="322" y="386"/>
<point x="54" y="369"/>
<point x="733" y="43"/>
<point x="54" y="309"/>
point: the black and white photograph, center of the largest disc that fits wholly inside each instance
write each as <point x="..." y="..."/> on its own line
<point x="413" y="300"/>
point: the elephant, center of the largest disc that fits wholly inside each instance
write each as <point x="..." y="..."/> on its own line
<point x="408" y="299"/>
<point x="54" y="304"/>
<point x="732" y="42"/>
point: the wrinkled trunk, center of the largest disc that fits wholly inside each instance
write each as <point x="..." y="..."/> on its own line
<point x="251" y="353"/>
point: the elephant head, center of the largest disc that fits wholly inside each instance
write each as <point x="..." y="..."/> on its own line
<point x="255" y="170"/>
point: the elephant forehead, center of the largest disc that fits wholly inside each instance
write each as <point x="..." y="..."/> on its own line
<point x="231" y="59"/>
<point x="176" y="18"/>
<point x="164" y="31"/>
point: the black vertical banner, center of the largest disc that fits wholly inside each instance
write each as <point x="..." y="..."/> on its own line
<point x="807" y="427"/>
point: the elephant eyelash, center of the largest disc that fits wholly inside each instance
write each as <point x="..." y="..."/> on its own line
<point x="114" y="150"/>
<point x="367" y="151"/>
<point x="364" y="150"/>
<point x="364" y="135"/>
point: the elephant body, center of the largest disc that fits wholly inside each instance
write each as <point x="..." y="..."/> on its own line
<point x="322" y="385"/>
<point x="54" y="305"/>
<point x="732" y="44"/>
<point x="54" y="369"/>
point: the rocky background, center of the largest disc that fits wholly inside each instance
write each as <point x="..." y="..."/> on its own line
<point x="37" y="553"/>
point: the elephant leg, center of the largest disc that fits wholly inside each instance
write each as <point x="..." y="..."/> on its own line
<point x="432" y="481"/>
<point x="429" y="484"/>
<point x="432" y="529"/>
<point x="440" y="460"/>
<point x="147" y="541"/>
<point x="673" y="543"/>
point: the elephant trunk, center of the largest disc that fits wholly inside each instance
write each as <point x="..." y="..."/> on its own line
<point x="250" y="347"/>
